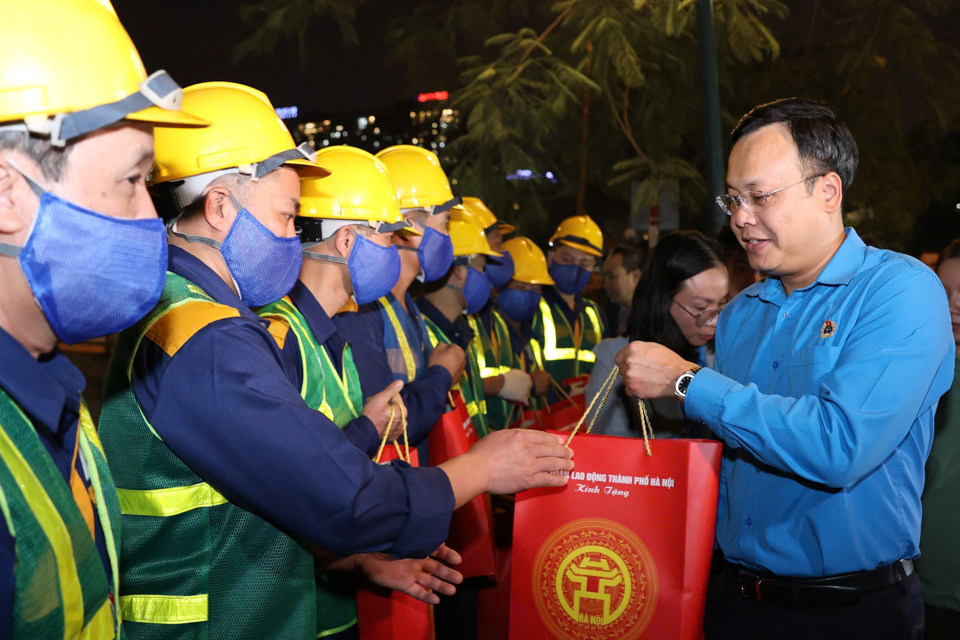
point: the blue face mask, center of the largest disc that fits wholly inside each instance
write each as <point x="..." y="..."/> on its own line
<point x="263" y="265"/>
<point x="92" y="274"/>
<point x="476" y="290"/>
<point x="519" y="305"/>
<point x="499" y="271"/>
<point x="569" y="278"/>
<point x="435" y="254"/>
<point x="374" y="270"/>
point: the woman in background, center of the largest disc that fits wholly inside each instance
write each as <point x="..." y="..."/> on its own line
<point x="682" y="290"/>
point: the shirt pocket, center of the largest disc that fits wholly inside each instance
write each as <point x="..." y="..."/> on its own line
<point x="810" y="365"/>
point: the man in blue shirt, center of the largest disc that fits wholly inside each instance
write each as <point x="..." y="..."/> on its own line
<point x="827" y="377"/>
<point x="76" y="142"/>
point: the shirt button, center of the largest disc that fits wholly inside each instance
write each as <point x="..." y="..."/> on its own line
<point x="748" y="521"/>
<point x="786" y="314"/>
<point x="775" y="364"/>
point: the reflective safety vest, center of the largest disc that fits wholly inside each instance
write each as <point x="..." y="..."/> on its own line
<point x="406" y="352"/>
<point x="193" y="565"/>
<point x="471" y="385"/>
<point x="567" y="351"/>
<point x="494" y="357"/>
<point x="340" y="398"/>
<point x="62" y="590"/>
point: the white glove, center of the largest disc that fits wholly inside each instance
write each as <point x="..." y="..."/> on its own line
<point x="516" y="386"/>
<point x="578" y="388"/>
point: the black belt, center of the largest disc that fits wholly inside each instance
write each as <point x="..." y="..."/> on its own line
<point x="829" y="591"/>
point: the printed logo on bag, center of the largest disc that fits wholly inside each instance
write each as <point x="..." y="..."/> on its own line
<point x="594" y="578"/>
<point x="828" y="329"/>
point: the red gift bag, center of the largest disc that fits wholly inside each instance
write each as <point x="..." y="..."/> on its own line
<point x="471" y="528"/>
<point x="387" y="615"/>
<point x="623" y="550"/>
<point x="529" y="419"/>
<point x="563" y="415"/>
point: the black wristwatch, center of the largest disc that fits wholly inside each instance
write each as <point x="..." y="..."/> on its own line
<point x="680" y="388"/>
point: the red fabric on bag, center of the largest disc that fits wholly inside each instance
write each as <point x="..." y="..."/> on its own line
<point x="530" y="419"/>
<point x="471" y="528"/>
<point x="390" y="615"/>
<point x="623" y="550"/>
<point x="563" y="415"/>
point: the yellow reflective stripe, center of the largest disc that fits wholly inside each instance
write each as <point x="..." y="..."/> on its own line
<point x="341" y="383"/>
<point x="53" y="528"/>
<point x="156" y="609"/>
<point x="402" y="339"/>
<point x="537" y="353"/>
<point x="168" y="502"/>
<point x="472" y="409"/>
<point x="433" y="337"/>
<point x="550" y="350"/>
<point x="88" y="434"/>
<point x="330" y="632"/>
<point x="477" y="342"/>
<point x="101" y="625"/>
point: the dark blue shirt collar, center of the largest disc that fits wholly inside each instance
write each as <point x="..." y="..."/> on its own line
<point x="459" y="331"/>
<point x="839" y="271"/>
<point x="185" y="264"/>
<point x="307" y="304"/>
<point x="552" y="296"/>
<point x="46" y="389"/>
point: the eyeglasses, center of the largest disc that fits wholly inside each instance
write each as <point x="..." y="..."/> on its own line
<point x="754" y="201"/>
<point x="702" y="318"/>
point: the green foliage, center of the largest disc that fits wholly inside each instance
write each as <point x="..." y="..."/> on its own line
<point x="272" y="20"/>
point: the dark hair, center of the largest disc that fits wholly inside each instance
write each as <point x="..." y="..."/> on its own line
<point x="678" y="256"/>
<point x="951" y="252"/>
<point x="824" y="143"/>
<point x="631" y="258"/>
<point x="49" y="158"/>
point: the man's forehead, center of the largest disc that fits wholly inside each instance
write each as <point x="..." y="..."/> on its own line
<point x="762" y="156"/>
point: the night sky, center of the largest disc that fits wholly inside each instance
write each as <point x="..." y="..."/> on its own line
<point x="194" y="41"/>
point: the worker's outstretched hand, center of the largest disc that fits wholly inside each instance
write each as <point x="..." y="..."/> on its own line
<point x="420" y="579"/>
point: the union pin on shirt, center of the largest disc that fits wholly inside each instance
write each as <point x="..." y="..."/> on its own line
<point x="828" y="329"/>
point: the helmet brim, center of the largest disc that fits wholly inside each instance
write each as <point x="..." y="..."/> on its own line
<point x="505" y="228"/>
<point x="307" y="169"/>
<point x="167" y="118"/>
<point x="581" y="247"/>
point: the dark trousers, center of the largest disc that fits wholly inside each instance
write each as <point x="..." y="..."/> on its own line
<point x="891" y="613"/>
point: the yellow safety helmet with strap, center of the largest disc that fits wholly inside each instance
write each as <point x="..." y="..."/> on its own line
<point x="467" y="234"/>
<point x="579" y="232"/>
<point x="68" y="68"/>
<point x="486" y="217"/>
<point x="418" y="178"/>
<point x="358" y="190"/>
<point x="245" y="136"/>
<point x="530" y="265"/>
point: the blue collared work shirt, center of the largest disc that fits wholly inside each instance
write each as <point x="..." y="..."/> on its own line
<point x="224" y="406"/>
<point x="47" y="390"/>
<point x="424" y="398"/>
<point x="825" y="400"/>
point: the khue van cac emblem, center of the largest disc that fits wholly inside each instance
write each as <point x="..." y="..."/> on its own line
<point x="595" y="578"/>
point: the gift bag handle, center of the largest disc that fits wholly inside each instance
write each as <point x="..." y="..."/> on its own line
<point x="386" y="432"/>
<point x="606" y="388"/>
<point x="562" y="392"/>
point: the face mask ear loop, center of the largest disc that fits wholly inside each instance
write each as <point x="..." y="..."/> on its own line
<point x="34" y="185"/>
<point x="13" y="250"/>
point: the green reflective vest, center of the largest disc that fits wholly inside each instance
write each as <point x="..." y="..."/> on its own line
<point x="495" y="357"/>
<point x="340" y="398"/>
<point x="567" y="351"/>
<point x="193" y="565"/>
<point x="471" y="385"/>
<point x="61" y="587"/>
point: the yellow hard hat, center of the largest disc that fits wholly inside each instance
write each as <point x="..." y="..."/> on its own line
<point x="245" y="136"/>
<point x="68" y="68"/>
<point x="530" y="265"/>
<point x="467" y="234"/>
<point x="485" y="216"/>
<point x="579" y="232"/>
<point x="417" y="176"/>
<point x="358" y="189"/>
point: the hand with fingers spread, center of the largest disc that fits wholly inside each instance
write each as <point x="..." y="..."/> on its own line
<point x="377" y="410"/>
<point x="509" y="461"/>
<point x="420" y="579"/>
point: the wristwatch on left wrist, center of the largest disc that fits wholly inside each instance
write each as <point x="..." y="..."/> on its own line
<point x="683" y="382"/>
